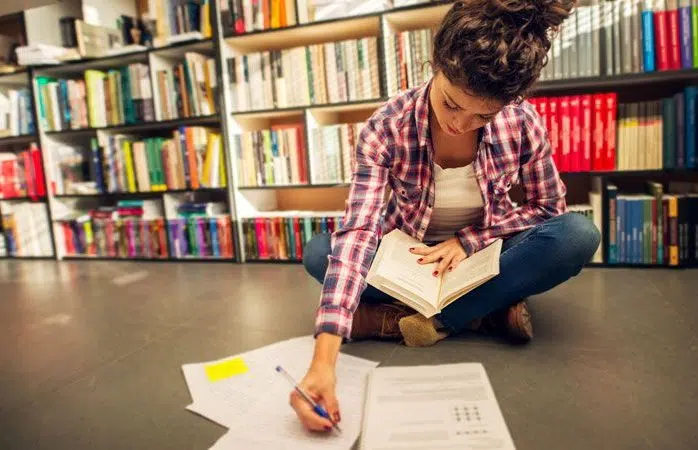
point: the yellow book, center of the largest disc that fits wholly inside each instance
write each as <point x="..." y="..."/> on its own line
<point x="208" y="161"/>
<point x="130" y="172"/>
<point x="222" y="180"/>
<point x="206" y="19"/>
<point x="673" y="229"/>
<point x="94" y="83"/>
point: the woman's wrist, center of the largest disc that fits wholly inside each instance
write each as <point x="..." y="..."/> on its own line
<point x="326" y="350"/>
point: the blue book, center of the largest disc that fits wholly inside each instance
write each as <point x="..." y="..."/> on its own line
<point x="612" y="194"/>
<point x="680" y="131"/>
<point x="690" y="95"/>
<point x="620" y="232"/>
<point x="648" y="40"/>
<point x="638" y="227"/>
<point x="685" y="36"/>
<point x="213" y="229"/>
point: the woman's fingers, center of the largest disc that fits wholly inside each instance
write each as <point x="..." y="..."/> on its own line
<point x="308" y="417"/>
<point x="421" y="250"/>
<point x="437" y="252"/>
<point x="443" y="265"/>
<point x="455" y="262"/>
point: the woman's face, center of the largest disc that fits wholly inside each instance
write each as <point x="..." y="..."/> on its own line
<point x="456" y="111"/>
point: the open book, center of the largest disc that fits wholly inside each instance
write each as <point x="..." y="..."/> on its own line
<point x="396" y="272"/>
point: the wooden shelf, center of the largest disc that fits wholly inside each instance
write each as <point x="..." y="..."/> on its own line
<point x="143" y="259"/>
<point x="294" y="186"/>
<point x="30" y="258"/>
<point x="25" y="198"/>
<point x="23" y="139"/>
<point x="152" y="194"/>
<point x="328" y="108"/>
<point x="607" y="83"/>
<point x="145" y="126"/>
<point x="355" y="27"/>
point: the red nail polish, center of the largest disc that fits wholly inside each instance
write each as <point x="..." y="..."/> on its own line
<point x="436" y="272"/>
<point x="328" y="428"/>
<point x="420" y="260"/>
<point x="411" y="249"/>
<point x="450" y="269"/>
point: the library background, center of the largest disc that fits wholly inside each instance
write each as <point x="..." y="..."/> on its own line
<point x="142" y="141"/>
<point x="141" y="137"/>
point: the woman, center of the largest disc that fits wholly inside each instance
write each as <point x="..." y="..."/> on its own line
<point x="450" y="152"/>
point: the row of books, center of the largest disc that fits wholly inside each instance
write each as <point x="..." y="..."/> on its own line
<point x="176" y="17"/>
<point x="653" y="227"/>
<point x="277" y="156"/>
<point x="581" y="130"/>
<point x="615" y="37"/>
<point x="246" y="16"/>
<point x="594" y="133"/>
<point x="319" y="74"/>
<point x="333" y="150"/>
<point x="191" y="158"/>
<point x="119" y="96"/>
<point x="407" y="54"/>
<point x="130" y="229"/>
<point x="16" y="115"/>
<point x="131" y="237"/>
<point x="21" y="174"/>
<point x="283" y="236"/>
<point x="201" y="230"/>
<point x="26" y="229"/>
<point x="188" y="88"/>
<point x="62" y="103"/>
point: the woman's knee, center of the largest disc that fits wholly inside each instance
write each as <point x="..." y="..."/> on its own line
<point x="580" y="236"/>
<point x="315" y="256"/>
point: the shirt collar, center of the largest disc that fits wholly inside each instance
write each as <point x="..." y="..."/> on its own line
<point x="422" y="109"/>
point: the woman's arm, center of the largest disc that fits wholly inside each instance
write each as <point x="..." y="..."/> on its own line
<point x="543" y="188"/>
<point x="353" y="248"/>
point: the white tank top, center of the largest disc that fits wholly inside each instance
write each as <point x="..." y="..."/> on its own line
<point x="458" y="202"/>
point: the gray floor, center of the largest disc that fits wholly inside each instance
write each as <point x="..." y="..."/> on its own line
<point x="90" y="353"/>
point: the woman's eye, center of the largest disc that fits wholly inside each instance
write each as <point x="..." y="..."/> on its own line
<point x="449" y="106"/>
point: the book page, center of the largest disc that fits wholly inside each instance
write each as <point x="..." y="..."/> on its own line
<point x="471" y="272"/>
<point x="450" y="406"/>
<point x="398" y="266"/>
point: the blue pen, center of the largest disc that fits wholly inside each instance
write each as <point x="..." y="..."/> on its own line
<point x="318" y="409"/>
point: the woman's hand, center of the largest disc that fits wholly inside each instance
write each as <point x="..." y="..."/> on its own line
<point x="319" y="384"/>
<point x="448" y="254"/>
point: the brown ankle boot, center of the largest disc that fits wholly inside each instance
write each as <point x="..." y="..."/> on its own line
<point x="379" y="320"/>
<point x="513" y="323"/>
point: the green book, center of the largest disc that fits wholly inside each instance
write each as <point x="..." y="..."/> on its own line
<point x="657" y="191"/>
<point x="647" y="230"/>
<point x="668" y="133"/>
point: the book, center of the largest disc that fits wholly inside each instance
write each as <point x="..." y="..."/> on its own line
<point x="396" y="272"/>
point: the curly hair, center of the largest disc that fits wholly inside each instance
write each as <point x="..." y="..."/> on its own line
<point x="497" y="48"/>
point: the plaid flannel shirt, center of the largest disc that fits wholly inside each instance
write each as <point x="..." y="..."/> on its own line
<point x="394" y="149"/>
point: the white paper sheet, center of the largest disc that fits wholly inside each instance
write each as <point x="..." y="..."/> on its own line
<point x="255" y="405"/>
<point x="433" y="408"/>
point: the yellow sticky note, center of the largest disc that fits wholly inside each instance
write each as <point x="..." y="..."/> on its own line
<point x="226" y="369"/>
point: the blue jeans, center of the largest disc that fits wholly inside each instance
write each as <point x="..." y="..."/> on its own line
<point x="531" y="262"/>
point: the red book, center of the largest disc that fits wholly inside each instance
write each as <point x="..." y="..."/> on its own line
<point x="598" y="117"/>
<point x="554" y="114"/>
<point x="654" y="231"/>
<point x="611" y="110"/>
<point x="576" y="147"/>
<point x="586" y="133"/>
<point x="661" y="43"/>
<point x="565" y="135"/>
<point x="674" y="39"/>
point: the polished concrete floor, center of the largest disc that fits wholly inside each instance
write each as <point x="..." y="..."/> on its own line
<point x="90" y="353"/>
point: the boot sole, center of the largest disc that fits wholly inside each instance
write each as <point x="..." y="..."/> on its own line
<point x="417" y="331"/>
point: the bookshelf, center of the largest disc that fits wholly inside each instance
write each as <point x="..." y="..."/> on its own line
<point x="285" y="118"/>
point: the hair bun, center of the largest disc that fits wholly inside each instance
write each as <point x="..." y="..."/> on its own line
<point x="541" y="14"/>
